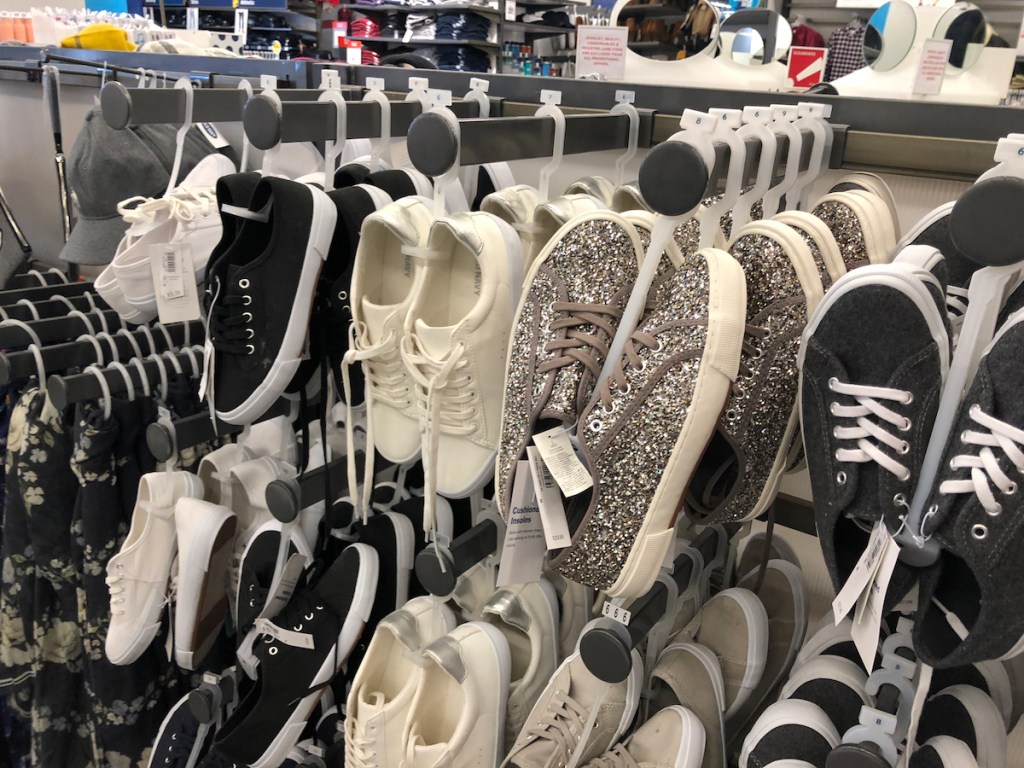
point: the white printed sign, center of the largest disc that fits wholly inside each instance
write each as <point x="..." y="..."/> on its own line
<point x="932" y="69"/>
<point x="601" y="51"/>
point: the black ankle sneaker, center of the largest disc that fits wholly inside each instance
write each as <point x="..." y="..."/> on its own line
<point x="178" y="744"/>
<point x="299" y="652"/>
<point x="255" y="575"/>
<point x="867" y="408"/>
<point x="969" y="606"/>
<point x="262" y="290"/>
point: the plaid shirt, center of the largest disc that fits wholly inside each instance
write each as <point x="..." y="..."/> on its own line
<point x="845" y="52"/>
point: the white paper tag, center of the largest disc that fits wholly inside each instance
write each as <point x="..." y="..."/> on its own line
<point x="522" y="553"/>
<point x="558" y="454"/>
<point x="868" y="620"/>
<point x="549" y="500"/>
<point x="408" y="35"/>
<point x="510" y="10"/>
<point x="177" y="298"/>
<point x="285" y="586"/>
<point x="861" y="574"/>
<point x="616" y="613"/>
<point x="212" y="135"/>
<point x="204" y="380"/>
<point x="924" y="683"/>
<point x="931" y="70"/>
<point x="268" y="82"/>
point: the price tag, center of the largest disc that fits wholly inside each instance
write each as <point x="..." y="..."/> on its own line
<point x="552" y="513"/>
<point x="522" y="553"/>
<point x="867" y="622"/>
<point x="268" y="82"/>
<point x="177" y="298"/>
<point x="242" y="23"/>
<point x="192" y="19"/>
<point x="510" y="10"/>
<point x="616" y="613"/>
<point x="862" y="573"/>
<point x="408" y="35"/>
<point x="561" y="460"/>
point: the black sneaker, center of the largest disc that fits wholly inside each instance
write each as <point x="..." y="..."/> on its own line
<point x="969" y="606"/>
<point x="234" y="192"/>
<point x="966" y="714"/>
<point x="179" y="741"/>
<point x="299" y="651"/>
<point x="255" y="575"/>
<point x="931" y="260"/>
<point x="262" y="290"/>
<point x="789" y="730"/>
<point x="943" y="752"/>
<point x="867" y="408"/>
<point x="835" y="684"/>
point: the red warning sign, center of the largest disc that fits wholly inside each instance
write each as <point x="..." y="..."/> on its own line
<point x="806" y="66"/>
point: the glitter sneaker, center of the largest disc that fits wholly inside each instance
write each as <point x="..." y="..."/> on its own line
<point x="861" y="224"/>
<point x="567" y="317"/>
<point x="549" y="217"/>
<point x="739" y="475"/>
<point x="645" y="433"/>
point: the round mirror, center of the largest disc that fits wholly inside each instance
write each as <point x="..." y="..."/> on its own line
<point x="669" y="30"/>
<point x="889" y="35"/>
<point x="966" y="26"/>
<point x="755" y="37"/>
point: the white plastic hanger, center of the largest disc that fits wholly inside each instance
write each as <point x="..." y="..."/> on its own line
<point x="333" y="149"/>
<point x="243" y="166"/>
<point x="728" y="121"/>
<point x="812" y="117"/>
<point x="477" y="92"/>
<point x="268" y="83"/>
<point x="756" y="122"/>
<point x="382" y="145"/>
<point x="784" y="117"/>
<point x="624" y="106"/>
<point x="440" y="101"/>
<point x="184" y="84"/>
<point x="549" y="108"/>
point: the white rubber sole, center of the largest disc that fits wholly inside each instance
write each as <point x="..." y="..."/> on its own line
<point x="405" y="545"/>
<point x="634" y="685"/>
<point x="784" y="713"/>
<point x="822" y="236"/>
<point x="830" y="668"/>
<point x="794" y="576"/>
<point x="551" y="596"/>
<point x="503" y="661"/>
<point x="358" y="615"/>
<point x="714" y="671"/>
<point x="197" y="747"/>
<point x="987" y="722"/>
<point x="953" y="752"/>
<point x="717" y="371"/>
<point x="826" y="637"/>
<point x="691" y="747"/>
<point x="321" y="232"/>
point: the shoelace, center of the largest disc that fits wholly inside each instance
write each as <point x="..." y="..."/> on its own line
<point x="181" y="204"/>
<point x="117" y="589"/>
<point x="956" y="307"/>
<point x="985" y="471"/>
<point x="383" y="381"/>
<point x="360" y="749"/>
<point x="564" y="724"/>
<point x="229" y="321"/>
<point x="446" y="403"/>
<point x="870" y="431"/>
<point x="617" y="757"/>
<point x="579" y="344"/>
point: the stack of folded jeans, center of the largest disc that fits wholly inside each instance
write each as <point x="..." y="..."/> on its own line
<point x="462" y="26"/>
<point x="462" y="58"/>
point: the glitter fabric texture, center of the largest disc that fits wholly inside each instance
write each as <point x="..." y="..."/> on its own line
<point x="819" y="260"/>
<point x="846" y="228"/>
<point x="759" y="410"/>
<point x="628" y="445"/>
<point x="594" y="263"/>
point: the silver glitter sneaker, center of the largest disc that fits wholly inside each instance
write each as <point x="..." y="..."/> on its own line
<point x="861" y="224"/>
<point x="644" y="435"/>
<point x="739" y="475"/>
<point x="566" y="319"/>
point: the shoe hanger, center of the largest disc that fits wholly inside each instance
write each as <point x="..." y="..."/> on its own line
<point x="728" y="121"/>
<point x="381" y="151"/>
<point x="756" y="122"/>
<point x="243" y="163"/>
<point x="815" y="117"/>
<point x="183" y="83"/>
<point x="162" y="369"/>
<point x="334" y="148"/>
<point x="784" y="115"/>
<point x="477" y="92"/>
<point x="105" y="398"/>
<point x="129" y="385"/>
<point x="625" y="107"/>
<point x="549" y="108"/>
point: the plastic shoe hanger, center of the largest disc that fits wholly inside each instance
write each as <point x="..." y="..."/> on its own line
<point x="381" y="151"/>
<point x="729" y="120"/>
<point x="549" y="108"/>
<point x="756" y="122"/>
<point x="333" y="149"/>
<point x="812" y="117"/>
<point x="784" y="117"/>
<point x="243" y="164"/>
<point x="183" y="83"/>
<point x="478" y="88"/>
<point x="625" y="107"/>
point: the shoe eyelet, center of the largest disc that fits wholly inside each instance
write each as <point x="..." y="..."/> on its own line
<point x="900" y="500"/>
<point x="642" y="368"/>
<point x="247" y="316"/>
<point x="732" y="414"/>
<point x="904" y="448"/>
<point x="252" y="603"/>
<point x="243" y="283"/>
<point x="657" y="348"/>
<point x="249" y="333"/>
<point x="595" y="426"/>
<point x="758" y="354"/>
<point x="841" y="478"/>
<point x="627" y="390"/>
<point x="906" y="425"/>
<point x="298" y="628"/>
<point x="748" y="376"/>
<point x="249" y="349"/>
<point x="995" y="512"/>
<point x="273" y="650"/>
<point x="740" y="393"/>
<point x="832" y="409"/>
<point x="905" y="476"/>
<point x="832" y="383"/>
<point x="174" y="737"/>
<point x="979" y="532"/>
<point x="308" y="617"/>
<point x="342" y="295"/>
<point x="1012" y="490"/>
<point x="246" y="300"/>
<point x="319" y="607"/>
<point x="909" y="399"/>
<point x="268" y="639"/>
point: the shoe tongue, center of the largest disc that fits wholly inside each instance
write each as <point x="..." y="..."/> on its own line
<point x="375" y="317"/>
<point x="436" y="342"/>
<point x="207" y="171"/>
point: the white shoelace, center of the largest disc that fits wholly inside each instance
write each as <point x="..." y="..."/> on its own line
<point x="870" y="431"/>
<point x="445" y="404"/>
<point x="956" y="307"/>
<point x="984" y="467"/>
<point x="117" y="590"/>
<point x="384" y="382"/>
<point x="360" y="749"/>
<point x="182" y="204"/>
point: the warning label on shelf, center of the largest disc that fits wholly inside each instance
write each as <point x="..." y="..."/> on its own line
<point x="601" y="51"/>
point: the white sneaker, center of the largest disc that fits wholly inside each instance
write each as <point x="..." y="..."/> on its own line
<point x="138" y="574"/>
<point x="133" y="246"/>
<point x="385" y="277"/>
<point x="458" y="710"/>
<point x="383" y="687"/>
<point x="275" y="438"/>
<point x="578" y="717"/>
<point x="455" y="345"/>
<point x="527" y="614"/>
<point x="205" y="535"/>
<point x="215" y="471"/>
<point x="249" y="481"/>
<point x="515" y="205"/>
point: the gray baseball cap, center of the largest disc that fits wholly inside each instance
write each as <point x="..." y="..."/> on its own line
<point x="108" y="166"/>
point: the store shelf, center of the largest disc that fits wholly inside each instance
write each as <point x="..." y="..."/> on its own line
<point x="456" y="8"/>
<point x="653" y="11"/>
<point x="421" y="41"/>
<point x="547" y="3"/>
<point x="537" y="30"/>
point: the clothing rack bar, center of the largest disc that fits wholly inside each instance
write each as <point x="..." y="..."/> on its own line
<point x="433" y="146"/>
<point x="53" y="307"/>
<point x="123" y="107"/>
<point x="78" y="354"/>
<point x="607" y="651"/>
<point x="39" y="292"/>
<point x="438" y="567"/>
<point x="287" y="496"/>
<point x="164" y="440"/>
<point x="54" y="329"/>
<point x="268" y="124"/>
<point x="75" y="388"/>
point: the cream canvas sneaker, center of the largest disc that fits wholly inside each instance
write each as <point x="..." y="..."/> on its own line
<point x="454" y="347"/>
<point x="383" y="687"/>
<point x="672" y="738"/>
<point x="138" y="574"/>
<point x="458" y="711"/>
<point x="689" y="675"/>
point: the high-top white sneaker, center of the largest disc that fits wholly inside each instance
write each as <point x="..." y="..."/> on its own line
<point x="388" y="270"/>
<point x="138" y="574"/>
<point x="455" y="345"/>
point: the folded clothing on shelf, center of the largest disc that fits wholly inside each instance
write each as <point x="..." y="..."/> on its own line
<point x="462" y="26"/>
<point x="462" y="58"/>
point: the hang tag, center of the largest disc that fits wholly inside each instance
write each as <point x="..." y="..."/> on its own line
<point x="177" y="298"/>
<point x="563" y="463"/>
<point x="522" y="553"/>
<point x="408" y="35"/>
<point x="510" y="10"/>
<point x="192" y="19"/>
<point x="868" y="620"/>
<point x="204" y="380"/>
<point x="267" y="628"/>
<point x="924" y="684"/>
<point x="549" y="500"/>
<point x="862" y="573"/>
<point x="242" y="24"/>
<point x="616" y="613"/>
<point x="330" y="80"/>
<point x="212" y="135"/>
<point x="285" y="587"/>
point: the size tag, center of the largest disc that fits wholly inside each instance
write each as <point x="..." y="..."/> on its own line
<point x="439" y="98"/>
<point x="192" y="19"/>
<point x="510" y="10"/>
<point x="862" y="573"/>
<point x="552" y="513"/>
<point x="287" y="636"/>
<point x="268" y="82"/>
<point x="242" y="23"/>
<point x="329" y="80"/>
<point x="375" y="83"/>
<point x="625" y="97"/>
<point x="616" y="613"/>
<point x="551" y="97"/>
<point x="522" y="553"/>
<point x="563" y="463"/>
<point x="177" y="298"/>
<point x="868" y="620"/>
